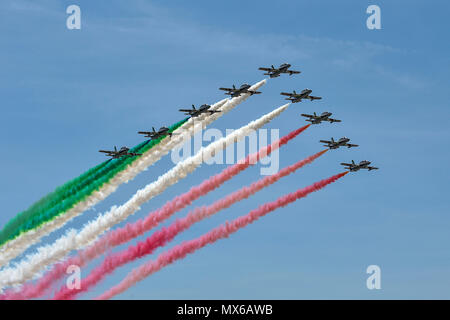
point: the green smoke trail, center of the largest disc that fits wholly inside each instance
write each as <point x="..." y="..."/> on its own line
<point x="68" y="195"/>
<point x="45" y="203"/>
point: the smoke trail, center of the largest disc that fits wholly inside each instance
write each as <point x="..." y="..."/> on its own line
<point x="163" y="236"/>
<point x="50" y="254"/>
<point x="130" y="231"/>
<point x="192" y="126"/>
<point x="65" y="197"/>
<point x="223" y="231"/>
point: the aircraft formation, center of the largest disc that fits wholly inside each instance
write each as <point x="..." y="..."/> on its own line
<point x="234" y="92"/>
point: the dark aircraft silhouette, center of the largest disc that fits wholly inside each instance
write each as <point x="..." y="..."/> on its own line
<point x="196" y="112"/>
<point x="275" y="72"/>
<point x="356" y="167"/>
<point x="162" y="132"/>
<point x="316" y="119"/>
<point x="297" y="97"/>
<point x="342" y="142"/>
<point x="123" y="152"/>
<point x="236" y="92"/>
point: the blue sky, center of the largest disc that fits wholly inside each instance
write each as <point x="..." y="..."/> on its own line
<point x="67" y="93"/>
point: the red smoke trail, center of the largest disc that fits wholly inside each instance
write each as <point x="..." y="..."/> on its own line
<point x="130" y="231"/>
<point x="161" y="237"/>
<point x="223" y="231"/>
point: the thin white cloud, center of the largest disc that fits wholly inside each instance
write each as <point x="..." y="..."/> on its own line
<point x="157" y="26"/>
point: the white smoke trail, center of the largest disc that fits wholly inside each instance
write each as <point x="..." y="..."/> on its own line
<point x="73" y="240"/>
<point x="17" y="246"/>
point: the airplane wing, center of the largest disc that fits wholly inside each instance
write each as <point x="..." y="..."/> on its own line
<point x="266" y="69"/>
<point x="287" y="94"/>
<point x="346" y="164"/>
<point x="325" y="141"/>
<point x="186" y="110"/>
<point x="254" y="92"/>
<point x="372" y="168"/>
<point x="314" y="98"/>
<point x="291" y="72"/>
<point x="333" y="120"/>
<point x="145" y="132"/>
<point x="307" y="115"/>
<point x="352" y="145"/>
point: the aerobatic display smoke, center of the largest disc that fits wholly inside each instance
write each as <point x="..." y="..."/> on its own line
<point x="161" y="237"/>
<point x="65" y="198"/>
<point x="15" y="225"/>
<point x="122" y="235"/>
<point x="75" y="240"/>
<point x="188" y="247"/>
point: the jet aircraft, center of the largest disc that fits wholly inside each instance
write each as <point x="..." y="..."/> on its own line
<point x="122" y="152"/>
<point x="205" y="108"/>
<point x="342" y="142"/>
<point x="353" y="167"/>
<point x="275" y="72"/>
<point x="298" y="97"/>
